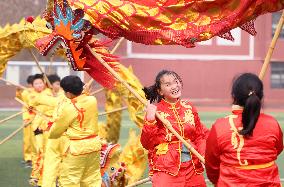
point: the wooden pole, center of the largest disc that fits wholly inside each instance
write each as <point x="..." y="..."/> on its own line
<point x="22" y="102"/>
<point x="166" y="123"/>
<point x="97" y="91"/>
<point x="112" y="111"/>
<point x="142" y="181"/>
<point x="271" y="47"/>
<point x="117" y="45"/>
<point x="50" y="65"/>
<point x="89" y="84"/>
<point x="34" y="110"/>
<point x="39" y="67"/>
<point x="112" y="51"/>
<point x="11" y="117"/>
<point x="12" y="134"/>
<point x="14" y="84"/>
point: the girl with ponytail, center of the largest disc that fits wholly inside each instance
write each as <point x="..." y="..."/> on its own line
<point x="170" y="162"/>
<point x="242" y="148"/>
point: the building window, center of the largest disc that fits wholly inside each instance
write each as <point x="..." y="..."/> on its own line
<point x="277" y="75"/>
<point x="18" y="71"/>
<point x="275" y="19"/>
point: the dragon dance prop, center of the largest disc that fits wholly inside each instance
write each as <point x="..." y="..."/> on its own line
<point x="135" y="158"/>
<point x="113" y="120"/>
<point x="129" y="166"/>
<point x="23" y="35"/>
<point x="18" y="36"/>
<point x="172" y="22"/>
<point x="74" y="33"/>
<point x="99" y="45"/>
<point x="133" y="155"/>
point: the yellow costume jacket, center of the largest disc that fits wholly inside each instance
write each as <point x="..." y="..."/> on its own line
<point x="25" y="96"/>
<point x="34" y="100"/>
<point x="79" y="119"/>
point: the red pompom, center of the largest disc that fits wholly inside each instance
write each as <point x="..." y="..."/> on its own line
<point x="50" y="123"/>
<point x="30" y="19"/>
<point x="119" y="170"/>
<point x="122" y="164"/>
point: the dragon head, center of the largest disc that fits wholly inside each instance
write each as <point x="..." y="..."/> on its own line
<point x="115" y="176"/>
<point x="113" y="172"/>
<point x="75" y="34"/>
<point x="69" y="30"/>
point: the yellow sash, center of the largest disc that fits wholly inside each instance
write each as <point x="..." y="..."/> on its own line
<point x="258" y="166"/>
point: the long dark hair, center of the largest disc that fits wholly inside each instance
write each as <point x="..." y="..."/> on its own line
<point x="152" y="92"/>
<point x="247" y="91"/>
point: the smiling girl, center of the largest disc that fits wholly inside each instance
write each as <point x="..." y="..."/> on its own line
<point x="170" y="162"/>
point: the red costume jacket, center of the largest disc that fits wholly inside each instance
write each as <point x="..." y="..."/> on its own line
<point x="164" y="148"/>
<point x="234" y="160"/>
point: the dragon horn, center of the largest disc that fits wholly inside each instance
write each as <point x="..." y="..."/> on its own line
<point x="54" y="5"/>
<point x="65" y="4"/>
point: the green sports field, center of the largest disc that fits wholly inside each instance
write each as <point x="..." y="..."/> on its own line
<point x="13" y="173"/>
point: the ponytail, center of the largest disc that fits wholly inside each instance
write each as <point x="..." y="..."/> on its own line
<point x="247" y="91"/>
<point x="250" y="114"/>
<point x="151" y="93"/>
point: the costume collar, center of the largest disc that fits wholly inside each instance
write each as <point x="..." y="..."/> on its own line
<point x="75" y="99"/>
<point x="168" y="104"/>
<point x="237" y="109"/>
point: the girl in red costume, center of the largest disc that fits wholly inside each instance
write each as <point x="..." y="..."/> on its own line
<point x="242" y="148"/>
<point x="171" y="163"/>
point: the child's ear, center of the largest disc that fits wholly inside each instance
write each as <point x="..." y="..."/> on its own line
<point x="160" y="92"/>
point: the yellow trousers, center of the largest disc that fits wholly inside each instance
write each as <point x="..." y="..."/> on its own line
<point x="33" y="151"/>
<point x="27" y="144"/>
<point x="40" y="142"/>
<point x="54" y="152"/>
<point x="81" y="170"/>
<point x="38" y="157"/>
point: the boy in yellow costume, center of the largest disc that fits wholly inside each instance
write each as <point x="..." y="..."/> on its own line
<point x="55" y="148"/>
<point x="37" y="101"/>
<point x="27" y="119"/>
<point x="56" y="90"/>
<point x="47" y="102"/>
<point x="78" y="118"/>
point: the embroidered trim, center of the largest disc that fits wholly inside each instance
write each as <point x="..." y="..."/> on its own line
<point x="150" y="122"/>
<point x="162" y="149"/>
<point x="237" y="140"/>
<point x="81" y="111"/>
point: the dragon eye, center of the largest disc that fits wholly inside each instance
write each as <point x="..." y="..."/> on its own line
<point x="112" y="168"/>
<point x="48" y="25"/>
<point x="78" y="36"/>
